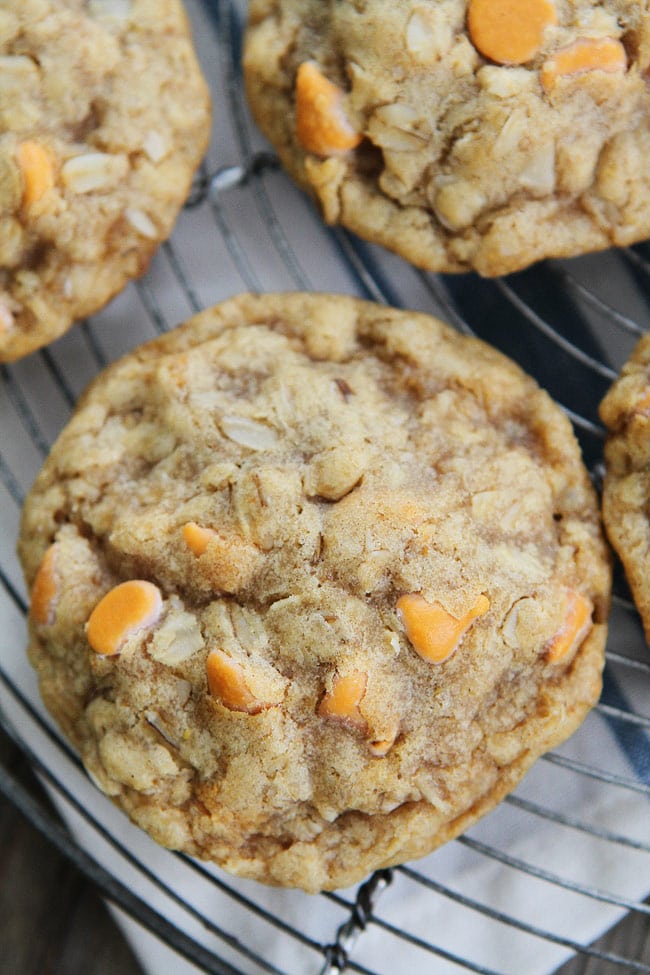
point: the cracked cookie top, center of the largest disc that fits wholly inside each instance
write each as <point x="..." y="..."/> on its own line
<point x="313" y="582"/>
<point x="104" y="117"/>
<point x="463" y="135"/>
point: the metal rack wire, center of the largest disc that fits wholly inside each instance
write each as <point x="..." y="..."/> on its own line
<point x="571" y="324"/>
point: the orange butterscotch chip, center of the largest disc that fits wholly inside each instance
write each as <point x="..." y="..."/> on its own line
<point x="586" y="54"/>
<point x="36" y="168"/>
<point x="45" y="591"/>
<point x="432" y="631"/>
<point x="342" y="702"/>
<point x="197" y="538"/>
<point x="381" y="746"/>
<point x="509" y="31"/>
<point x="124" y="611"/>
<point x="321" y="124"/>
<point x="227" y="684"/>
<point x="576" y="626"/>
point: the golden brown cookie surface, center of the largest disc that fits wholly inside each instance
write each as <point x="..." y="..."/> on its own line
<point x="626" y="490"/>
<point x="104" y="117"/>
<point x="313" y="583"/>
<point x="484" y="134"/>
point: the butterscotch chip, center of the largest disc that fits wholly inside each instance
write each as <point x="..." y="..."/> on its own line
<point x="321" y="124"/>
<point x="227" y="683"/>
<point x="104" y="117"/>
<point x="36" y="171"/>
<point x="583" y="57"/>
<point x="575" y="625"/>
<point x="196" y="538"/>
<point x="45" y="590"/>
<point x="462" y="134"/>
<point x="122" y="613"/>
<point x="625" y="411"/>
<point x="317" y="607"/>
<point x="342" y="702"/>
<point x="509" y="31"/>
<point x="433" y="632"/>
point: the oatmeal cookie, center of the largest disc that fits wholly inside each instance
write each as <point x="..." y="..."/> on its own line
<point x="462" y="134"/>
<point x="313" y="582"/>
<point x="104" y="117"/>
<point x="626" y="488"/>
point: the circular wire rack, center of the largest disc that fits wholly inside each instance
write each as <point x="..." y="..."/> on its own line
<point x="571" y="324"/>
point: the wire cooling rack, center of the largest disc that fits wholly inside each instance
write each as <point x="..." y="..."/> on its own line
<point x="563" y="858"/>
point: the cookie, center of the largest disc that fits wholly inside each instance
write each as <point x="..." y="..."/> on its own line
<point x="104" y="117"/>
<point x="463" y="135"/>
<point x="625" y="411"/>
<point x="313" y="582"/>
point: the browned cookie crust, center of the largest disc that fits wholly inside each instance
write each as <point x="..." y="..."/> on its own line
<point x="104" y="116"/>
<point x="365" y="584"/>
<point x="420" y="128"/>
<point x="626" y="490"/>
